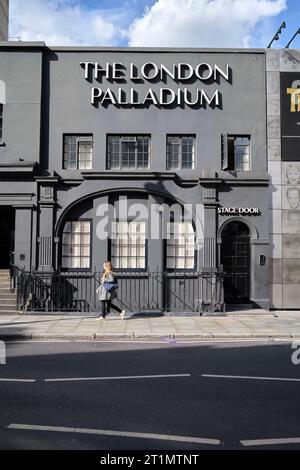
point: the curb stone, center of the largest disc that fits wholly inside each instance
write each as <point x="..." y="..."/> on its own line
<point x="162" y="337"/>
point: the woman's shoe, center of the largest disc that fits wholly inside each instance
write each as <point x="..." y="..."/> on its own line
<point x="122" y="314"/>
<point x="100" y="318"/>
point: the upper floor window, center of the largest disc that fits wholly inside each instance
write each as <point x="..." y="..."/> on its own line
<point x="236" y="152"/>
<point x="76" y="244"/>
<point x="78" y="152"/>
<point x="180" y="245"/>
<point x="128" y="152"/>
<point x="1" y="121"/>
<point x="180" y="152"/>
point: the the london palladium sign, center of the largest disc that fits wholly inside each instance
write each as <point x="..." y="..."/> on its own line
<point x="183" y="74"/>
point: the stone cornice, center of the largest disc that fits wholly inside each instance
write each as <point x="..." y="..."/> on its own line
<point x="128" y="175"/>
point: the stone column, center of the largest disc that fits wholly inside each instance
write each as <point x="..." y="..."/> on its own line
<point x="155" y="255"/>
<point x="47" y="202"/>
<point x="102" y="219"/>
<point x="209" y="186"/>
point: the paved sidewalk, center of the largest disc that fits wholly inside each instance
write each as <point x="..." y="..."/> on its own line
<point x="279" y="324"/>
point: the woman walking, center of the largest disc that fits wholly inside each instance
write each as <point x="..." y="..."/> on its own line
<point x="107" y="291"/>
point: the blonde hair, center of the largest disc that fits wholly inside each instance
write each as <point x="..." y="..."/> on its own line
<point x="107" y="269"/>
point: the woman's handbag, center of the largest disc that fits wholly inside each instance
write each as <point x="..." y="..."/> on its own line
<point x="110" y="286"/>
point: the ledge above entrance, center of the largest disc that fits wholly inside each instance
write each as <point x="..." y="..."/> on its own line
<point x="18" y="167"/>
<point x="234" y="177"/>
<point x="186" y="179"/>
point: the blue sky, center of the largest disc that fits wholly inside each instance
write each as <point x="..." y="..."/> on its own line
<point x="291" y="15"/>
<point x="186" y="23"/>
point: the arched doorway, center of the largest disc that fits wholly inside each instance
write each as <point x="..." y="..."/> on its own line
<point x="235" y="258"/>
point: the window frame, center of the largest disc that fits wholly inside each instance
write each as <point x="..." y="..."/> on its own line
<point x="78" y="135"/>
<point x="110" y="255"/>
<point x="225" y="153"/>
<point x="194" y="159"/>
<point x="235" y="155"/>
<point x="65" y="269"/>
<point x="2" y="121"/>
<point x="120" y="168"/>
<point x="194" y="268"/>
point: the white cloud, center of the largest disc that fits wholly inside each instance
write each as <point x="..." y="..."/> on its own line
<point x="64" y="22"/>
<point x="202" y="23"/>
<point x="185" y="23"/>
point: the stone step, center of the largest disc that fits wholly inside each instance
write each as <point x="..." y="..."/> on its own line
<point x="7" y="302"/>
<point x="4" y="291"/>
<point x="9" y="312"/>
<point x="7" y="307"/>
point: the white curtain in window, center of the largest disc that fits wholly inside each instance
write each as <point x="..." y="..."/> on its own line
<point x="180" y="245"/>
<point x="2" y="92"/>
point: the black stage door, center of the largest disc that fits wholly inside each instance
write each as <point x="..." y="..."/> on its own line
<point x="235" y="257"/>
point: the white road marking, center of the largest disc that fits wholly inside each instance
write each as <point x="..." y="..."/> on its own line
<point x="17" y="380"/>
<point x="74" y="379"/>
<point x="266" y="442"/>
<point x="104" y="432"/>
<point x="248" y="377"/>
<point x="160" y="376"/>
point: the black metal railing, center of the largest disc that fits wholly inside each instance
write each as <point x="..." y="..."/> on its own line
<point x="179" y="291"/>
<point x="18" y="284"/>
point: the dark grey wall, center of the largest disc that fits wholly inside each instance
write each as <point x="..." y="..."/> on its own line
<point x="21" y="72"/>
<point x="243" y="105"/>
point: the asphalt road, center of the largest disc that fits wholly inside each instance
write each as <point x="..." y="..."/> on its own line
<point x="112" y="396"/>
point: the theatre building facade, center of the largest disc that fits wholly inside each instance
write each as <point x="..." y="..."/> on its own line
<point x="153" y="158"/>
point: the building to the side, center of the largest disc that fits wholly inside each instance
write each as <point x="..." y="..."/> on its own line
<point x="283" y="109"/>
<point x="103" y="149"/>
<point x="4" y="12"/>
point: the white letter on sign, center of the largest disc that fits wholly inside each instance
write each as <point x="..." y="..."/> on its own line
<point x="95" y="93"/>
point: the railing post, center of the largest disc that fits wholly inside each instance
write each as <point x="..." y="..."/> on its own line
<point x="56" y="248"/>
